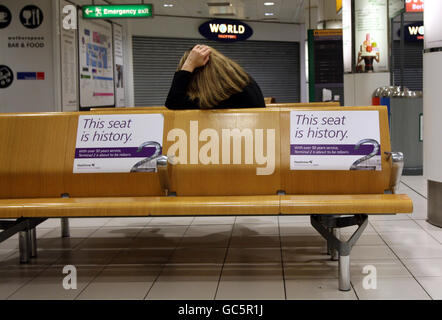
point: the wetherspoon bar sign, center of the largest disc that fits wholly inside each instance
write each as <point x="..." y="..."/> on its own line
<point x="118" y="11"/>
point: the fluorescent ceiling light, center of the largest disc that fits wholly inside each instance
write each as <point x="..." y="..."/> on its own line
<point x="269" y="13"/>
<point x="168" y="5"/>
<point x="269" y="3"/>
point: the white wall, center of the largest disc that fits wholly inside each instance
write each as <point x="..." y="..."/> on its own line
<point x="48" y="98"/>
<point x="177" y="27"/>
<point x="28" y="95"/>
<point x="359" y="87"/>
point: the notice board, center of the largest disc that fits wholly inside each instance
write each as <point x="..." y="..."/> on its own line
<point x="97" y="88"/>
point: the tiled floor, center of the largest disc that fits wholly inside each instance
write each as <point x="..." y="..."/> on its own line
<point x="227" y="258"/>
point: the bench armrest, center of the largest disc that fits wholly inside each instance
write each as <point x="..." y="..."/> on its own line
<point x="396" y="170"/>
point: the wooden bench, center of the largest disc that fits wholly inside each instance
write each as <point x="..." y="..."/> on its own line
<point x="269" y="100"/>
<point x="37" y="181"/>
<point x="269" y="104"/>
<point x="303" y="104"/>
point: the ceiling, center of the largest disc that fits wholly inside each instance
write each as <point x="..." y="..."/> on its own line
<point x="284" y="11"/>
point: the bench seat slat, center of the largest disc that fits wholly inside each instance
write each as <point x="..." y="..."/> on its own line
<point x="139" y="206"/>
<point x="345" y="204"/>
<point x="230" y="205"/>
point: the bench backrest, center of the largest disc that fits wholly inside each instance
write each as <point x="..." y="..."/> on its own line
<point x="37" y="153"/>
<point x="303" y="104"/>
<point x="130" y="108"/>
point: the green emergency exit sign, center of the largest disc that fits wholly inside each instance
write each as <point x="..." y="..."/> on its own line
<point x="117" y="11"/>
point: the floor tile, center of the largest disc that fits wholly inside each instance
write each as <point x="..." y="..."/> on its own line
<point x="253" y="256"/>
<point x="417" y="251"/>
<point x="5" y="253"/>
<point x="424" y="267"/>
<point x="316" y="289"/>
<point x="50" y="223"/>
<point x="49" y="284"/>
<point x="418" y="183"/>
<point x="302" y="240"/>
<point x="134" y="222"/>
<point x="77" y="232"/>
<point x="250" y="282"/>
<point x="297" y="228"/>
<point x="207" y="236"/>
<point x="198" y="256"/>
<point x="86" y="257"/>
<point x="256" y="219"/>
<point x="142" y="256"/>
<point x="121" y="283"/>
<point x="213" y="220"/>
<point x="44" y="258"/>
<point x="396" y="226"/>
<point x="186" y="282"/>
<point x="384" y="268"/>
<point x="293" y="219"/>
<point x="159" y="237"/>
<point x="432" y="285"/>
<point x="305" y="254"/>
<point x="87" y="222"/>
<point x="255" y="242"/>
<point x="435" y="231"/>
<point x="371" y="253"/>
<point x="240" y="230"/>
<point x="111" y="238"/>
<point x="175" y="221"/>
<point x="315" y="269"/>
<point x="13" y="278"/>
<point x="409" y="239"/>
<point x="391" y="289"/>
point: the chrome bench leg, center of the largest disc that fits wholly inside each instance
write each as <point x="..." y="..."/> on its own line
<point x="329" y="246"/>
<point x="33" y="242"/>
<point x="24" y="241"/>
<point x="323" y="224"/>
<point x="334" y="252"/>
<point x="344" y="273"/>
<point x="65" y="232"/>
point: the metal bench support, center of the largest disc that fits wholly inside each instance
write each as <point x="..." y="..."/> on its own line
<point x="27" y="235"/>
<point x="65" y="231"/>
<point x="328" y="227"/>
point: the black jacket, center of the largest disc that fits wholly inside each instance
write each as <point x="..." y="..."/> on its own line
<point x="177" y="99"/>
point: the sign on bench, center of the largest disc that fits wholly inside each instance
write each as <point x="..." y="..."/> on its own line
<point x="335" y="140"/>
<point x="118" y="143"/>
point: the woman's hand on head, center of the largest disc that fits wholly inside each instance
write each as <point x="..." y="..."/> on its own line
<point x="198" y="57"/>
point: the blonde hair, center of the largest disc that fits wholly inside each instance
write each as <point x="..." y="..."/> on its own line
<point x="217" y="81"/>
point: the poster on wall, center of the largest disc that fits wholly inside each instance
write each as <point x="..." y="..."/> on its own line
<point x="395" y="8"/>
<point x="119" y="66"/>
<point x="95" y="63"/>
<point x="118" y="143"/>
<point x="371" y="35"/>
<point x="69" y="64"/>
<point x="26" y="32"/>
<point x="335" y="140"/>
<point x="347" y="35"/>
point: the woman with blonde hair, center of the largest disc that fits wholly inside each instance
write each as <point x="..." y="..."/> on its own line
<point x="207" y="79"/>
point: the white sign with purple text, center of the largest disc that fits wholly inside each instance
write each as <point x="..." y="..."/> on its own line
<point x="118" y="143"/>
<point x="335" y="140"/>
